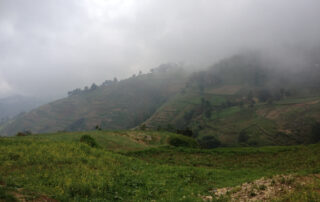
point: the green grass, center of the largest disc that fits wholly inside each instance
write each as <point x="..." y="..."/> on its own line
<point x="6" y="196"/>
<point x="284" y="122"/>
<point x="110" y="140"/>
<point x="297" y="100"/>
<point x="60" y="167"/>
<point x="266" y="159"/>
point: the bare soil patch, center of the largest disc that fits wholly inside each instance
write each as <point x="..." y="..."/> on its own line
<point x="264" y="189"/>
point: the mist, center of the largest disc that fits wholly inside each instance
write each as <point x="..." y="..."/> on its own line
<point x="50" y="47"/>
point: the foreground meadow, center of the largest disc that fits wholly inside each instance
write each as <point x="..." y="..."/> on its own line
<point x="142" y="166"/>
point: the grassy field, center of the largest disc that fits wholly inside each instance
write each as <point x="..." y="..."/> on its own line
<point x="140" y="166"/>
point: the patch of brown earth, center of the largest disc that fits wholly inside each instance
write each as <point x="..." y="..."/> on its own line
<point x="140" y="138"/>
<point x="24" y="198"/>
<point x="313" y="102"/>
<point x="263" y="189"/>
<point x="274" y="114"/>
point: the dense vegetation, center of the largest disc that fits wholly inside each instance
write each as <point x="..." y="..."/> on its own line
<point x="137" y="166"/>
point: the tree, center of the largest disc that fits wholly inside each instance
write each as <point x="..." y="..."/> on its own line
<point x="93" y="86"/>
<point x="264" y="95"/>
<point x="74" y="92"/>
<point x="209" y="142"/>
<point x="143" y="127"/>
<point x="186" y="132"/>
<point x="97" y="127"/>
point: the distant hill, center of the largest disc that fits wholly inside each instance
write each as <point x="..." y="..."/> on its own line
<point x="113" y="105"/>
<point x="245" y="100"/>
<point x="16" y="104"/>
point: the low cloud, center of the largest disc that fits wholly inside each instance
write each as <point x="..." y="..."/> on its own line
<point x="49" y="47"/>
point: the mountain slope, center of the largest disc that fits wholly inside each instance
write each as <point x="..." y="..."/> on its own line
<point x="120" y="105"/>
<point x="243" y="101"/>
<point x="15" y="104"/>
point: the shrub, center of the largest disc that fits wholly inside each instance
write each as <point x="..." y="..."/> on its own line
<point x="182" y="141"/>
<point x="97" y="127"/>
<point x="315" y="132"/>
<point x="143" y="127"/>
<point x="24" y="133"/>
<point x="186" y="132"/>
<point x="209" y="142"/>
<point x="88" y="140"/>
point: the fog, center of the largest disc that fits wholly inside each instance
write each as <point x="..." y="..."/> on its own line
<point x="52" y="46"/>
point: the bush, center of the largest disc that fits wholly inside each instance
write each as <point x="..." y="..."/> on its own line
<point x="88" y="140"/>
<point x="181" y="141"/>
<point x="97" y="127"/>
<point x="24" y="133"/>
<point x="315" y="132"/>
<point x="186" y="132"/>
<point x="143" y="127"/>
<point x="209" y="142"/>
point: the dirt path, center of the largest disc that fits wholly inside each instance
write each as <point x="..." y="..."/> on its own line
<point x="264" y="189"/>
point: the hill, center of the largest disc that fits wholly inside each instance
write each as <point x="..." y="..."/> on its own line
<point x="244" y="100"/>
<point x="16" y="104"/>
<point x="60" y="167"/>
<point x="241" y="101"/>
<point x="113" y="105"/>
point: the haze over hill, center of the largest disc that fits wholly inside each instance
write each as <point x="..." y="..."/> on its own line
<point x="246" y="99"/>
<point x="259" y="54"/>
<point x="16" y="104"/>
<point x="139" y="100"/>
<point x="112" y="105"/>
<point x="50" y="47"/>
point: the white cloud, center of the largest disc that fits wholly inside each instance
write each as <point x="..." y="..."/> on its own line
<point x="5" y="88"/>
<point x="49" y="47"/>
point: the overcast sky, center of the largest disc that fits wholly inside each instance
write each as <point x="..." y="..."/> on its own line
<point x="48" y="47"/>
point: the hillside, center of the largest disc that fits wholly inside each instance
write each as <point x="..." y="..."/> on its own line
<point x="241" y="101"/>
<point x="16" y="104"/>
<point x="287" y="121"/>
<point x="142" y="166"/>
<point x="244" y="100"/>
<point x="115" y="105"/>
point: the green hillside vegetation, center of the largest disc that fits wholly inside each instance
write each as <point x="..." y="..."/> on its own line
<point x="241" y="102"/>
<point x="244" y="100"/>
<point x="142" y="166"/>
<point x="110" y="140"/>
<point x="114" y="105"/>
